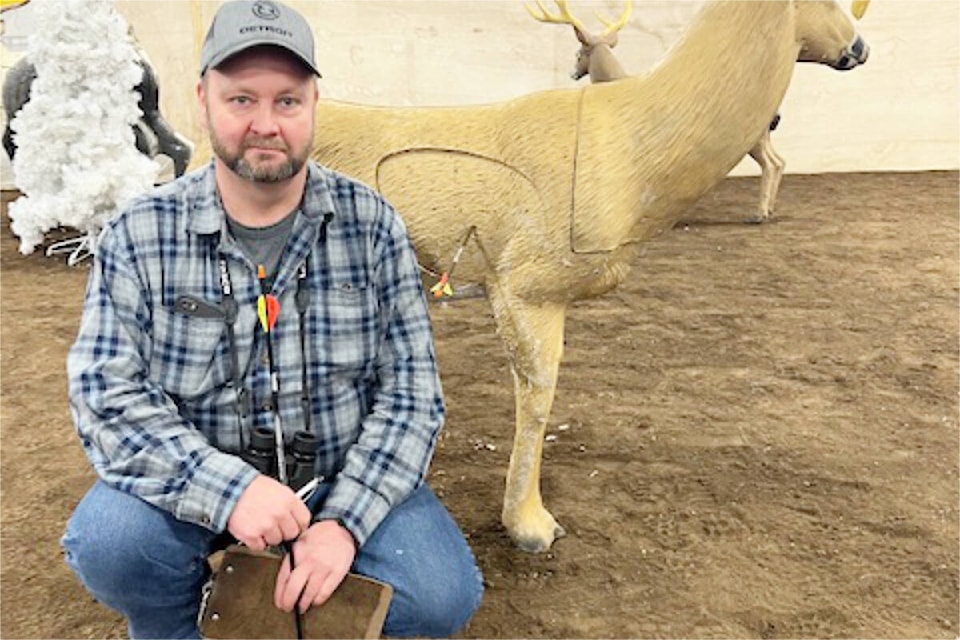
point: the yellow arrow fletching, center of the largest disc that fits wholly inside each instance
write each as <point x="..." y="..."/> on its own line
<point x="262" y="313"/>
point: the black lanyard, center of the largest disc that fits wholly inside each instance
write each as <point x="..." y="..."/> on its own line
<point x="241" y="398"/>
<point x="302" y="298"/>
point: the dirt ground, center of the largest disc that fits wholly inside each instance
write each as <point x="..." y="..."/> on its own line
<point x="756" y="436"/>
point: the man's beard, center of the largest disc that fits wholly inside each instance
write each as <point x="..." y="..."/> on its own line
<point x="238" y="163"/>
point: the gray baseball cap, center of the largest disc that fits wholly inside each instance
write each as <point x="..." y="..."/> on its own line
<point x="241" y="24"/>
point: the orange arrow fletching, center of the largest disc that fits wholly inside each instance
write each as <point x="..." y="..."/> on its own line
<point x="273" y="310"/>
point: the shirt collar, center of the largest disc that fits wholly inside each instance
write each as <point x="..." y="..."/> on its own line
<point x="317" y="197"/>
<point x="207" y="215"/>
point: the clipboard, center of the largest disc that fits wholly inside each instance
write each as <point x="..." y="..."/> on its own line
<point x="237" y="602"/>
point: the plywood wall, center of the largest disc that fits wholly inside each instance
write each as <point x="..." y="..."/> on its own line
<point x="899" y="112"/>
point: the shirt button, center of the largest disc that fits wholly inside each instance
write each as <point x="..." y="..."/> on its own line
<point x="265" y="358"/>
<point x="205" y="520"/>
<point x="267" y="406"/>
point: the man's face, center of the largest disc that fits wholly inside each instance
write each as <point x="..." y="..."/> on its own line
<point x="258" y="108"/>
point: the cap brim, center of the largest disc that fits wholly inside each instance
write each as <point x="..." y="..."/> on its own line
<point x="243" y="46"/>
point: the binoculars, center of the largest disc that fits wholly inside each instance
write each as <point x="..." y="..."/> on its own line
<point x="300" y="455"/>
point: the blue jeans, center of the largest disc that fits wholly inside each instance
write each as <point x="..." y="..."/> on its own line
<point x="149" y="566"/>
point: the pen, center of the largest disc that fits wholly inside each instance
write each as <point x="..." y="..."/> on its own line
<point x="304" y="492"/>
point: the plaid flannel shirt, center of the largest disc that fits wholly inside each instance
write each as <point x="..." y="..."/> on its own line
<point x="150" y="379"/>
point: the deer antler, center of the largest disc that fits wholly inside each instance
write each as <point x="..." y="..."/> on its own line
<point x="613" y="27"/>
<point x="859" y="8"/>
<point x="564" y="17"/>
<point x="11" y="4"/>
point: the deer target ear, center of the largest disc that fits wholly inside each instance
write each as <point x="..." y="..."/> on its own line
<point x="859" y="8"/>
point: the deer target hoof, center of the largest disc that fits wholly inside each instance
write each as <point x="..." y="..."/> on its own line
<point x="756" y="219"/>
<point x="534" y="544"/>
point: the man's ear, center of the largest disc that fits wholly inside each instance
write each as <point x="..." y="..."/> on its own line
<point x="202" y="103"/>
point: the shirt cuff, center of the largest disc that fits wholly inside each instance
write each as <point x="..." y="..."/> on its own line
<point x="213" y="490"/>
<point x="358" y="508"/>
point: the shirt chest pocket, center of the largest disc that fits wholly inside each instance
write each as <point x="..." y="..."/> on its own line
<point x="345" y="343"/>
<point x="189" y="356"/>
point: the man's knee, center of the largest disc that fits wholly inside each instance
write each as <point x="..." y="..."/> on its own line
<point x="123" y="549"/>
<point x="436" y="608"/>
<point x="420" y="551"/>
<point x="448" y="611"/>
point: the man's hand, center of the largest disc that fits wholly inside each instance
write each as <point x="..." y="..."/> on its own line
<point x="266" y="514"/>
<point x="322" y="557"/>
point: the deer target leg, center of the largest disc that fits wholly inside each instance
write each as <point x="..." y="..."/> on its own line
<point x="533" y="335"/>
<point x="771" y="173"/>
<point x="777" y="166"/>
<point x="760" y="154"/>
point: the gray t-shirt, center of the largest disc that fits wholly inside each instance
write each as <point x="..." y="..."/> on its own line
<point x="264" y="245"/>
